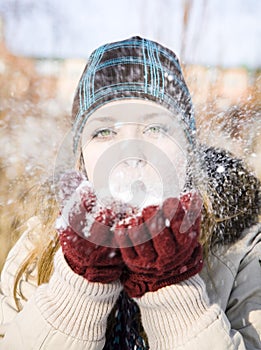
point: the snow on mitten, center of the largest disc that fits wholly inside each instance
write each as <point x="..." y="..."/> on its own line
<point x="85" y="234"/>
<point x="170" y="253"/>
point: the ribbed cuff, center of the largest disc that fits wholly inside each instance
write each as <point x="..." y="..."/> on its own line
<point x="176" y="313"/>
<point x="75" y="306"/>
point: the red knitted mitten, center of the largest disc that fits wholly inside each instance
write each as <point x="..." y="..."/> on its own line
<point x="171" y="252"/>
<point x="85" y="234"/>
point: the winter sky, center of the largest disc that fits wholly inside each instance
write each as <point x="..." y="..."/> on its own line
<point x="224" y="32"/>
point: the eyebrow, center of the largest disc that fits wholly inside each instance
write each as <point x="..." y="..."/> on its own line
<point x="102" y="119"/>
<point x="153" y="115"/>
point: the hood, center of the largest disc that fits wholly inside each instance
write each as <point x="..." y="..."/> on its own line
<point x="234" y="193"/>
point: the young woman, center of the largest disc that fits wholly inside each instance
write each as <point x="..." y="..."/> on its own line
<point x="157" y="242"/>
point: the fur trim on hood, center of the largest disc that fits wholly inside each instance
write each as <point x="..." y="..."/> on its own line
<point x="234" y="193"/>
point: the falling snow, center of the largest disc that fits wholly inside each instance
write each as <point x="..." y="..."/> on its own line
<point x="220" y="169"/>
<point x="167" y="223"/>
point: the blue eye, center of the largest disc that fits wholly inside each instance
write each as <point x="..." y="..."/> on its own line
<point x="103" y="133"/>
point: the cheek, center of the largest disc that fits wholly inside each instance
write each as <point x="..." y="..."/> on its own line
<point x="178" y="156"/>
<point x="91" y="155"/>
<point x="176" y="152"/>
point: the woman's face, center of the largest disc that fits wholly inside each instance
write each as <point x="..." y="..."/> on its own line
<point x="135" y="151"/>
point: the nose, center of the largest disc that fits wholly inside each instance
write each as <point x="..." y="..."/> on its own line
<point x="134" y="162"/>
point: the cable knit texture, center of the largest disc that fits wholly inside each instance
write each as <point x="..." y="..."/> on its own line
<point x="84" y="228"/>
<point x="170" y="253"/>
<point x="74" y="305"/>
<point x="174" y="314"/>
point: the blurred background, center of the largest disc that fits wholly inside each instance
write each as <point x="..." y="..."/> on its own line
<point x="44" y="46"/>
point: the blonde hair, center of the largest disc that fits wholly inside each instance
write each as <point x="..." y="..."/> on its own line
<point x="39" y="203"/>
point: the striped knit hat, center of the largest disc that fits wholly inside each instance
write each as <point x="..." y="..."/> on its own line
<point x="133" y="68"/>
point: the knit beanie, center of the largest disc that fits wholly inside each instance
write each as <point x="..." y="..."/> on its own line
<point x="134" y="68"/>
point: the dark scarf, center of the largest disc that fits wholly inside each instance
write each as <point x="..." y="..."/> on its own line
<point x="235" y="193"/>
